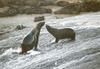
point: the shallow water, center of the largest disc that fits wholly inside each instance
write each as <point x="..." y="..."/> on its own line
<point x="83" y="53"/>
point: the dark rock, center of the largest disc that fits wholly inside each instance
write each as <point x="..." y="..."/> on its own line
<point x="16" y="2"/>
<point x="20" y="27"/>
<point x="12" y="12"/>
<point x="67" y="11"/>
<point x="24" y="10"/>
<point x="1" y="4"/>
<point x="62" y="3"/>
<point x="47" y="2"/>
<point x="72" y="8"/>
<point x="34" y="3"/>
<point x="41" y="10"/>
<point x="9" y="12"/>
<point x="2" y="15"/>
<point x="88" y="6"/>
<point x="40" y="18"/>
<point x="33" y="10"/>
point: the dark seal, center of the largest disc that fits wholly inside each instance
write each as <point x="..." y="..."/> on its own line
<point x="61" y="33"/>
<point x="31" y="40"/>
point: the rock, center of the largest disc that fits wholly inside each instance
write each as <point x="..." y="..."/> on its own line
<point x="62" y="3"/>
<point x="9" y="12"/>
<point x="20" y="27"/>
<point x="4" y="3"/>
<point x="24" y="10"/>
<point x="17" y="2"/>
<point x="47" y="2"/>
<point x="41" y="10"/>
<point x="32" y="10"/>
<point x="12" y="12"/>
<point x="72" y="8"/>
<point x="88" y="6"/>
<point x="1" y="4"/>
<point x="40" y="18"/>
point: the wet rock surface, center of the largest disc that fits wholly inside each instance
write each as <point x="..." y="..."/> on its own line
<point x="20" y="27"/>
<point x="83" y="53"/>
<point x="69" y="8"/>
<point x="78" y="6"/>
<point x="14" y="10"/>
<point x="62" y="3"/>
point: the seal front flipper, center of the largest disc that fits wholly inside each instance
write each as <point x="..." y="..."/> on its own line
<point x="24" y="49"/>
<point x="56" y="40"/>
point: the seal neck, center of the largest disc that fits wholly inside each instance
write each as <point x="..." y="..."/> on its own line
<point x="51" y="30"/>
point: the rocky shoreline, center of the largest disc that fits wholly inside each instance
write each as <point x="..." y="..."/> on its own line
<point x="13" y="8"/>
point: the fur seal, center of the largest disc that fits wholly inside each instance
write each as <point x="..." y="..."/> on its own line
<point x="61" y="33"/>
<point x="31" y="40"/>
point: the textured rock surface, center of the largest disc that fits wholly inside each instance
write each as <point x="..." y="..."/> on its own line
<point x="83" y="53"/>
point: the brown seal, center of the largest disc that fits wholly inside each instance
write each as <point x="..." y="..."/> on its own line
<point x="61" y="33"/>
<point x="31" y="40"/>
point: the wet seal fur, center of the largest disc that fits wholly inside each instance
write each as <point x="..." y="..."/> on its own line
<point x="61" y="33"/>
<point x="31" y="40"/>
